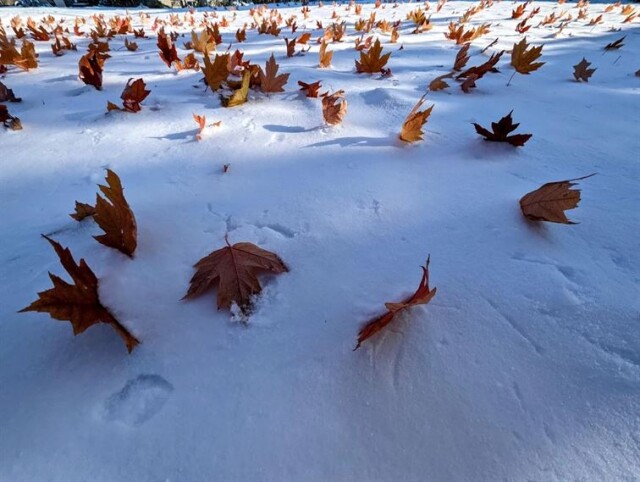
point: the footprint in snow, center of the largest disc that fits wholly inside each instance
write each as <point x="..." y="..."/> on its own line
<point x="139" y="400"/>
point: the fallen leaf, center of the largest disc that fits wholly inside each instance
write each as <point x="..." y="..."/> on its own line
<point x="372" y="61"/>
<point x="334" y="107"/>
<point x="325" y="56"/>
<point x="79" y="302"/>
<point x="7" y="95"/>
<point x="239" y="95"/>
<point x="412" y="126"/>
<point x="91" y="66"/>
<point x="83" y="210"/>
<point x="234" y="270"/>
<point x="501" y="131"/>
<point x="462" y="57"/>
<point x="550" y="201"/>
<point x="581" y="70"/>
<point x="312" y="89"/>
<point x="439" y="83"/>
<point x="10" y="122"/>
<point x="114" y="216"/>
<point x="217" y="72"/>
<point x="616" y="44"/>
<point x="131" y="46"/>
<point x="132" y="95"/>
<point x="422" y="296"/>
<point x="269" y="80"/>
<point x="168" y="52"/>
<point x="522" y="58"/>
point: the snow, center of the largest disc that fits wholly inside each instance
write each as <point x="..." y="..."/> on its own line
<point x="525" y="366"/>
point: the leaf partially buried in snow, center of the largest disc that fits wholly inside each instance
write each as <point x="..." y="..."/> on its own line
<point x="79" y="302"/>
<point x="234" y="269"/>
<point x="422" y="296"/>
<point x="550" y="201"/>
<point x="412" y="126"/>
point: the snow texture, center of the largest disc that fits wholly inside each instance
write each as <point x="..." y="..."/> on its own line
<point x="525" y="366"/>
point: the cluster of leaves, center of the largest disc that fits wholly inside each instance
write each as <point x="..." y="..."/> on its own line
<point x="26" y="58"/>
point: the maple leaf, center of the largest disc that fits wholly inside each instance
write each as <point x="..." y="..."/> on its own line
<point x="311" y="89"/>
<point x="131" y="46"/>
<point x="9" y="121"/>
<point x="616" y="44"/>
<point x="114" y="216"/>
<point x="82" y="211"/>
<point x="202" y="123"/>
<point x="217" y="72"/>
<point x="7" y="95"/>
<point x="203" y="43"/>
<point x="325" y="56"/>
<point x="25" y="59"/>
<point x="522" y="57"/>
<point x="190" y="62"/>
<point x="234" y="269"/>
<point x="241" y="94"/>
<point x="91" y="66"/>
<point x="422" y="296"/>
<point x="501" y="131"/>
<point x="581" y="70"/>
<point x="550" y="201"/>
<point x="168" y="52"/>
<point x="412" y="126"/>
<point x="439" y="83"/>
<point x="79" y="302"/>
<point x="462" y="57"/>
<point x="132" y="95"/>
<point x="269" y="80"/>
<point x="241" y="35"/>
<point x="334" y="107"/>
<point x="479" y="71"/>
<point x="291" y="47"/>
<point x="371" y="61"/>
<point x="304" y="38"/>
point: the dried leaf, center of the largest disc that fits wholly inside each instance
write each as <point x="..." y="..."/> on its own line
<point x="115" y="218"/>
<point x="79" y="302"/>
<point x="90" y="66"/>
<point x="422" y="296"/>
<point x="371" y="61"/>
<point x="234" y="269"/>
<point x="325" y="56"/>
<point x="550" y="201"/>
<point x="7" y="95"/>
<point x="217" y="72"/>
<point x="132" y="95"/>
<point x="412" y="126"/>
<point x="616" y="44"/>
<point x="334" y="107"/>
<point x="438" y="83"/>
<point x="501" y="131"/>
<point x="269" y="80"/>
<point x="10" y="122"/>
<point x="462" y="57"/>
<point x="241" y="94"/>
<point x="83" y="210"/>
<point x="581" y="70"/>
<point x="131" y="46"/>
<point x="312" y="90"/>
<point x="522" y="58"/>
<point x="168" y="52"/>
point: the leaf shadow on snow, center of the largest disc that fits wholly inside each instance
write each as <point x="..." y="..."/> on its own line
<point x="187" y="136"/>
<point x="288" y="129"/>
<point x="359" y="141"/>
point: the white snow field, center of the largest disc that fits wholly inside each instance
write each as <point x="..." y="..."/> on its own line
<point x="524" y="367"/>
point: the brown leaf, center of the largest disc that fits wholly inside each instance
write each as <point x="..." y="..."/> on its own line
<point x="311" y="89"/>
<point x="90" y="66"/>
<point x="550" y="201"/>
<point x="438" y="83"/>
<point x="7" y="95"/>
<point x="522" y="58"/>
<point x="132" y="95"/>
<point x="291" y="47"/>
<point x="462" y="57"/>
<point x="83" y="210"/>
<point x="269" y="80"/>
<point x="115" y="218"/>
<point x="480" y="70"/>
<point x="79" y="302"/>
<point x="234" y="270"/>
<point x="325" y="56"/>
<point x="581" y="70"/>
<point x="168" y="52"/>
<point x="412" y="126"/>
<point x="9" y="121"/>
<point x="217" y="72"/>
<point x="501" y="131"/>
<point x="371" y="61"/>
<point x="131" y="46"/>
<point x="422" y="296"/>
<point x="334" y="107"/>
<point x="616" y="44"/>
<point x="469" y="83"/>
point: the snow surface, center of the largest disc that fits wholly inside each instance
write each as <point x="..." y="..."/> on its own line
<point x="525" y="366"/>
